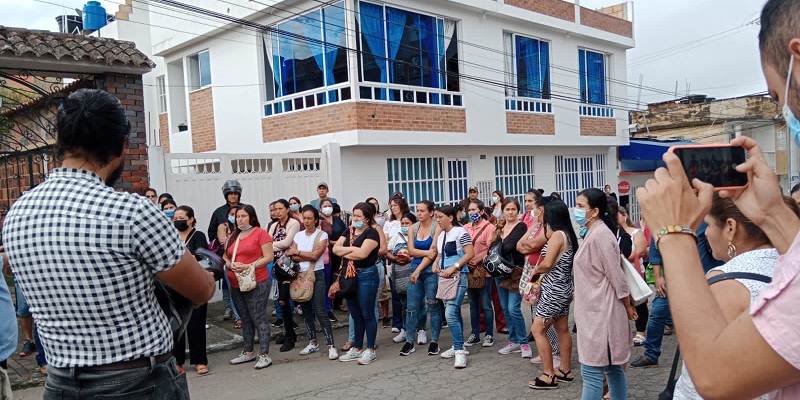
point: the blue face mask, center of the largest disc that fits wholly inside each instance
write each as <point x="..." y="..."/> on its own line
<point x="245" y="227"/>
<point x="474" y="217"/>
<point x="404" y="229"/>
<point x="169" y="213"/>
<point x="358" y="224"/>
<point x="231" y="219"/>
<point x="294" y="207"/>
<point x="791" y="121"/>
<point x="583" y="232"/>
<point x="580" y="216"/>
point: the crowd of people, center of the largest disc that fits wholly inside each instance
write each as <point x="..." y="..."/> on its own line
<point x="724" y="264"/>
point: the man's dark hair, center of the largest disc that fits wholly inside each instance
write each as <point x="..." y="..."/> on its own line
<point x="779" y="25"/>
<point x="795" y="189"/>
<point x="92" y="123"/>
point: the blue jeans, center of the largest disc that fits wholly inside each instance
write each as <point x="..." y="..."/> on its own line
<point x="593" y="382"/>
<point x="423" y="313"/>
<point x="452" y="311"/>
<point x="41" y="356"/>
<point x="659" y="317"/>
<point x="511" y="303"/>
<point x="478" y="298"/>
<point x="397" y="308"/>
<point x="226" y="296"/>
<point x="351" y="329"/>
<point x="362" y="307"/>
<point x="159" y="381"/>
<point x="426" y="287"/>
<point x="328" y="301"/>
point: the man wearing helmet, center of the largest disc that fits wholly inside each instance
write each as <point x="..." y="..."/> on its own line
<point x="232" y="190"/>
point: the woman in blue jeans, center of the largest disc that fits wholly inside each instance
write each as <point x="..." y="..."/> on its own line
<point x="424" y="282"/>
<point x="454" y="250"/>
<point x="361" y="246"/>
<point x="508" y="235"/>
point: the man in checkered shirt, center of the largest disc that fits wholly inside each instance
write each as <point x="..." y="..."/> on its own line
<point x="87" y="258"/>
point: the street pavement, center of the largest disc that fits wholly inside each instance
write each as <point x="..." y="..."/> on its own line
<point x="418" y="376"/>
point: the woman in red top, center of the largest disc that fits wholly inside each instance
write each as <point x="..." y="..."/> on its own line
<point x="250" y="246"/>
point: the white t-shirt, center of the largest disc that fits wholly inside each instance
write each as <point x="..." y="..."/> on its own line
<point x="457" y="234"/>
<point x="305" y="242"/>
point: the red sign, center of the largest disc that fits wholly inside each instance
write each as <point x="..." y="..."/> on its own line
<point x="624" y="187"/>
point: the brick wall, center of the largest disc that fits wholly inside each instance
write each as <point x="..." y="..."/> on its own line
<point x="593" y="126"/>
<point x="128" y="89"/>
<point x="554" y="8"/>
<point x="163" y="131"/>
<point x="599" y="20"/>
<point x="360" y="115"/>
<point x="201" y="109"/>
<point x="530" y="124"/>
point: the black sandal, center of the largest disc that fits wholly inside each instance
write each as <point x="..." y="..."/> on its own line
<point x="565" y="377"/>
<point x="538" y="384"/>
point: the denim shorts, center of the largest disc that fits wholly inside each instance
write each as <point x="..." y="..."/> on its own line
<point x="23" y="311"/>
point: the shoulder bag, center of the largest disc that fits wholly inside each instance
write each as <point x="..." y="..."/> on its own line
<point x="640" y="290"/>
<point x="401" y="273"/>
<point x="246" y="278"/>
<point x="496" y="265"/>
<point x="302" y="287"/>
<point x="532" y="291"/>
<point x="447" y="287"/>
<point x="476" y="278"/>
<point x="346" y="284"/>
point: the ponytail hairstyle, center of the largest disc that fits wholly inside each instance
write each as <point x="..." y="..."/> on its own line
<point x="598" y="199"/>
<point x="450" y="211"/>
<point x="557" y="218"/>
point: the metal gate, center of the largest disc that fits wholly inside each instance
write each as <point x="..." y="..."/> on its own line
<point x="196" y="179"/>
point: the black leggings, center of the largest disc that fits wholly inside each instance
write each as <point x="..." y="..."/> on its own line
<point x="644" y="314"/>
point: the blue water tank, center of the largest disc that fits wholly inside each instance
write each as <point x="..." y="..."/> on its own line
<point x="94" y="16"/>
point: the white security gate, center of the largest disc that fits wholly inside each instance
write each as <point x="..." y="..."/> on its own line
<point x="196" y="179"/>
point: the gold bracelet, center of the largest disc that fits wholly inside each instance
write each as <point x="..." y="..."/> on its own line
<point x="674" y="229"/>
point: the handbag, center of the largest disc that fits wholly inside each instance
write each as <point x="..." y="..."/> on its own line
<point x="246" y="278"/>
<point x="532" y="291"/>
<point x="496" y="265"/>
<point x="401" y="273"/>
<point x="285" y="269"/>
<point x="476" y="278"/>
<point x="302" y="287"/>
<point x="640" y="290"/>
<point x="447" y="287"/>
<point x="346" y="284"/>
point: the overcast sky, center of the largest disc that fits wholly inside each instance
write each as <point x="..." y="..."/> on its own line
<point x="675" y="41"/>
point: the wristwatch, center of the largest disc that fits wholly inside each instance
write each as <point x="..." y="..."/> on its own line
<point x="457" y="265"/>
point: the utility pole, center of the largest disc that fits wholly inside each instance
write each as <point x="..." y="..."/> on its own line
<point x="639" y="96"/>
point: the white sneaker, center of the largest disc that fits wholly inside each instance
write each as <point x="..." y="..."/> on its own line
<point x="351" y="355"/>
<point x="488" y="341"/>
<point x="274" y="313"/>
<point x="461" y="359"/>
<point x="509" y="348"/>
<point x="243" y="358"/>
<point x="401" y="337"/>
<point x="367" y="357"/>
<point x="395" y="330"/>
<point x="263" y="362"/>
<point x="526" y="351"/>
<point x="311" y="348"/>
<point x="449" y="353"/>
<point x="422" y="337"/>
<point x="332" y="353"/>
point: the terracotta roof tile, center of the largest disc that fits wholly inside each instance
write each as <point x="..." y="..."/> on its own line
<point x="21" y="41"/>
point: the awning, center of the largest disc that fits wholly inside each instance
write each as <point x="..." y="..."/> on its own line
<point x="645" y="155"/>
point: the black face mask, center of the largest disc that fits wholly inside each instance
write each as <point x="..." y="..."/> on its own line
<point x="181" y="225"/>
<point x="114" y="176"/>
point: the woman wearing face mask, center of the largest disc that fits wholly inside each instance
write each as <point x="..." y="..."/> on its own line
<point x="602" y="300"/>
<point x="401" y="270"/>
<point x="509" y="235"/>
<point x="398" y="207"/>
<point x="497" y="205"/>
<point x="531" y="245"/>
<point x="744" y="247"/>
<point x="337" y="229"/>
<point x="360" y="246"/>
<point x="379" y="218"/>
<point x="282" y="232"/>
<point x="224" y="231"/>
<point x="638" y="250"/>
<point x="481" y="232"/>
<point x="168" y="206"/>
<point x="528" y="218"/>
<point x="557" y="290"/>
<point x="454" y="250"/>
<point x="294" y="209"/>
<point x="196" y="329"/>
<point x="250" y="247"/>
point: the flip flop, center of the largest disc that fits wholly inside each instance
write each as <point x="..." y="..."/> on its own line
<point x="237" y="324"/>
<point x="201" y="369"/>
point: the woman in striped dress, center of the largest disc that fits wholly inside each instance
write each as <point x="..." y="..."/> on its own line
<point x="557" y="288"/>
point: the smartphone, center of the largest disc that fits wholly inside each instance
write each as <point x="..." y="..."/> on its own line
<point x="714" y="164"/>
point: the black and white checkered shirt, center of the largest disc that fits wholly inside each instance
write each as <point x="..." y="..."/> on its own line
<point x="86" y="257"/>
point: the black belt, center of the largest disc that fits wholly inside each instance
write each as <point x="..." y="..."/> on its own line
<point x="121" y="365"/>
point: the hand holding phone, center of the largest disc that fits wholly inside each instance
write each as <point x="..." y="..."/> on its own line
<point x="714" y="164"/>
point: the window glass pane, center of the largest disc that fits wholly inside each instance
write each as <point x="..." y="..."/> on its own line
<point x="582" y="73"/>
<point x="301" y="61"/>
<point x="335" y="41"/>
<point x="373" y="41"/>
<point x="205" y="68"/>
<point x="194" y="72"/>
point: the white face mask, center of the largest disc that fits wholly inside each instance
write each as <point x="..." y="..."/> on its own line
<point x="327" y="210"/>
<point x="495" y="199"/>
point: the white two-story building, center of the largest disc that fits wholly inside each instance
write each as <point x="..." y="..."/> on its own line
<point x="424" y="97"/>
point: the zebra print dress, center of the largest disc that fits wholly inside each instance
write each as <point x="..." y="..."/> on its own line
<point x="557" y="288"/>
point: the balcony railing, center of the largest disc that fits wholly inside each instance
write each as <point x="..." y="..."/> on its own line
<point x="408" y="94"/>
<point x="308" y="99"/>
<point x="596" y="111"/>
<point x="527" y="104"/>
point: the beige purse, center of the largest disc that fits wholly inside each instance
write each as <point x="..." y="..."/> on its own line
<point x="246" y="279"/>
